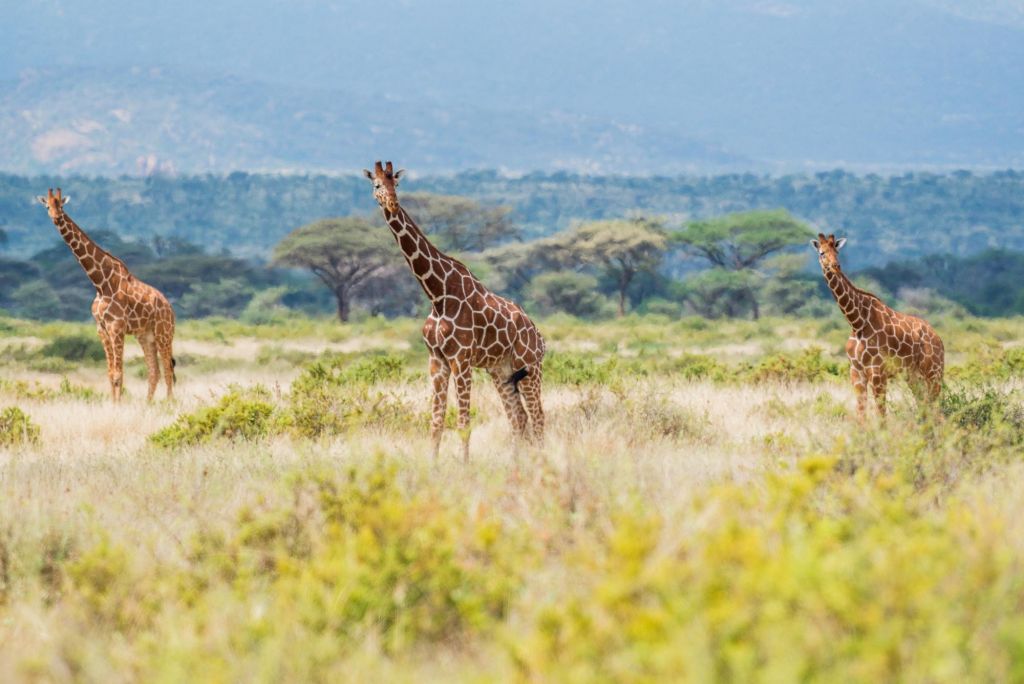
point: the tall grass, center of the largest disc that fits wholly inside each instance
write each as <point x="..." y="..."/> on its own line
<point x="704" y="507"/>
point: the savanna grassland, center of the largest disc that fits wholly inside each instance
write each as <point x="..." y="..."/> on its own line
<point x="705" y="507"/>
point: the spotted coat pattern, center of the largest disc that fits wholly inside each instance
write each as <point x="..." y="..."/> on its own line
<point x="468" y="327"/>
<point x="123" y="305"/>
<point x="883" y="342"/>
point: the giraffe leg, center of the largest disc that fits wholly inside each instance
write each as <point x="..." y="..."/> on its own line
<point x="510" y="399"/>
<point x="148" y="342"/>
<point x="167" y="361"/>
<point x="440" y="372"/>
<point x="115" y="331"/>
<point x="463" y="372"/>
<point x="879" y="382"/>
<point x="108" y="351"/>
<point x="529" y="389"/>
<point x="860" y="388"/>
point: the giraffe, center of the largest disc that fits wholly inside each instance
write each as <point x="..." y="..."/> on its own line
<point x="883" y="342"/>
<point x="468" y="327"/>
<point x="123" y="305"/>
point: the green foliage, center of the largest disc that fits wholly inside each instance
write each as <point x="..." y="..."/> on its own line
<point x="460" y="224"/>
<point x="214" y="298"/>
<point x="736" y="245"/>
<point x="16" y="428"/>
<point x="339" y="561"/>
<point x="238" y="415"/>
<point x="568" y="291"/>
<point x="989" y="363"/>
<point x="21" y="389"/>
<point x="698" y="367"/>
<point x="721" y="292"/>
<point x="808" y="366"/>
<point x="988" y="284"/>
<point x="807" y="576"/>
<point x="339" y="394"/>
<point x="985" y="408"/>
<point x="742" y="240"/>
<point x="565" y="368"/>
<point x="341" y="252"/>
<point x="75" y="348"/>
<point x="619" y="249"/>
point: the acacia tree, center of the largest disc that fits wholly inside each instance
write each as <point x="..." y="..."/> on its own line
<point x="620" y="248"/>
<point x="739" y="243"/>
<point x="341" y="252"/>
<point x="461" y="224"/>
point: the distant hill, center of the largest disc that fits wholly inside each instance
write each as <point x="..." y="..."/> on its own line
<point x="886" y="218"/>
<point x="644" y="87"/>
<point x="142" y="122"/>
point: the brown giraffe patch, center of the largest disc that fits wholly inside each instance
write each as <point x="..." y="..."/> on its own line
<point x="468" y="327"/>
<point x="883" y="342"/>
<point x="123" y="305"/>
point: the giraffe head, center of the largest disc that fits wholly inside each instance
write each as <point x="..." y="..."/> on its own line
<point x="828" y="251"/>
<point x="54" y="203"/>
<point x="385" y="180"/>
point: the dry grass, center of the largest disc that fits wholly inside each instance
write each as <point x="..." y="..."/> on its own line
<point x="659" y="441"/>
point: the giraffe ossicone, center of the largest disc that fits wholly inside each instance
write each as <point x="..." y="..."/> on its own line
<point x="123" y="305"/>
<point x="883" y="342"/>
<point x="468" y="327"/>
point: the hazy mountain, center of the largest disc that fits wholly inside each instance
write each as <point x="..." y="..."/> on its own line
<point x="159" y="120"/>
<point x="628" y="86"/>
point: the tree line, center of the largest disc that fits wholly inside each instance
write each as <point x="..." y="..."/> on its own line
<point x="748" y="264"/>
<point x="893" y="217"/>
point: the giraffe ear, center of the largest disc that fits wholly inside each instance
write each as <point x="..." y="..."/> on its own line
<point x="398" y="175"/>
<point x="367" y="173"/>
<point x="839" y="243"/>
<point x="815" y="244"/>
<point x="42" y="200"/>
<point x="65" y="199"/>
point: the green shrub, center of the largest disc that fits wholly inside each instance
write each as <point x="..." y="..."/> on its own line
<point x="807" y="366"/>
<point x="698" y="367"/>
<point x="341" y="562"/>
<point x="988" y="363"/>
<point x="568" y="368"/>
<point x="807" y="576"/>
<point x="16" y="428"/>
<point x="239" y="415"/>
<point x="344" y="370"/>
<point x="334" y="396"/>
<point x="984" y="408"/>
<point x="658" y="416"/>
<point x="74" y="348"/>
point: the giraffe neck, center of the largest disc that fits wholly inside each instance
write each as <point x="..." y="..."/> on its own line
<point x="429" y="264"/>
<point x="852" y="302"/>
<point x="104" y="270"/>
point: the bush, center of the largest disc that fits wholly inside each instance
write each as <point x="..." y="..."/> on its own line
<point x="568" y="291"/>
<point x="16" y="428"/>
<point x="75" y="348"/>
<point x="989" y="364"/>
<point x="339" y="563"/>
<point x="699" y="367"/>
<point x="567" y="368"/>
<point x="337" y="395"/>
<point x="239" y="415"/>
<point x="807" y="366"/>
<point x="984" y="409"/>
<point x="810" y="576"/>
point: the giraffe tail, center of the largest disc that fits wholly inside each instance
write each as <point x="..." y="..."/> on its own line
<point x="516" y="377"/>
<point x="174" y="376"/>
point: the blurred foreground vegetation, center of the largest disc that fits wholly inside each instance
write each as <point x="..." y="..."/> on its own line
<point x="704" y="508"/>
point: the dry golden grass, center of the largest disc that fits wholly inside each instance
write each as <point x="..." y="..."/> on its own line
<point x="657" y="443"/>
